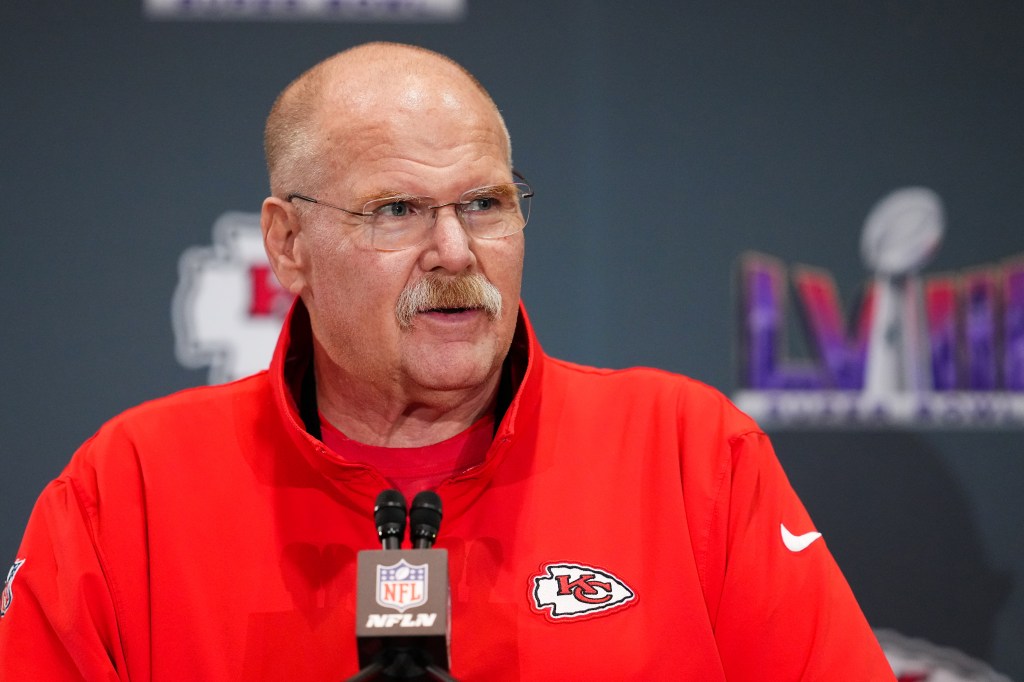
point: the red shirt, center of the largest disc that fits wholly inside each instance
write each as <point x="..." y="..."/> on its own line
<point x="418" y="468"/>
<point x="624" y="525"/>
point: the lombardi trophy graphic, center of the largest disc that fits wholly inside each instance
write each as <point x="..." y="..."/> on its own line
<point x="900" y="236"/>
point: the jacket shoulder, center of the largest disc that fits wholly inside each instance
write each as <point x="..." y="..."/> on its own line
<point x="694" y="400"/>
<point x="170" y="423"/>
<point x="201" y="403"/>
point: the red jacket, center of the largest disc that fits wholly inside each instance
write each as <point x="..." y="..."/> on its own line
<point x="625" y="525"/>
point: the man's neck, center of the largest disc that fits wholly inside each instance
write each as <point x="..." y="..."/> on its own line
<point x="399" y="417"/>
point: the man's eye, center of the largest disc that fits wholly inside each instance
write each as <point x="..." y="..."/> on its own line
<point x="396" y="209"/>
<point x="483" y="204"/>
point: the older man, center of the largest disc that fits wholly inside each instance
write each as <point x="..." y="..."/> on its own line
<point x="600" y="524"/>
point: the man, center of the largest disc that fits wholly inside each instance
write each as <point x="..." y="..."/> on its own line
<point x="601" y="525"/>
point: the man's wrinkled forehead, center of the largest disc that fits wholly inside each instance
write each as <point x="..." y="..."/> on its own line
<point x="403" y="89"/>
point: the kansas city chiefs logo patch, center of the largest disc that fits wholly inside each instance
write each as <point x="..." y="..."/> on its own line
<point x="565" y="591"/>
<point x="7" y="597"/>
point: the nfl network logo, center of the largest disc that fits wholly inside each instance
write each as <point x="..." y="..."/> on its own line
<point x="402" y="586"/>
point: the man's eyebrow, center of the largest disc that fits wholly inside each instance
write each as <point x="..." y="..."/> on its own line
<point x="503" y="188"/>
<point x="384" y="194"/>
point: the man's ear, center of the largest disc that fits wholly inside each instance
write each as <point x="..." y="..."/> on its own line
<point x="281" y="239"/>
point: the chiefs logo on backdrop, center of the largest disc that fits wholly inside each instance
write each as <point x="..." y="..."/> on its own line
<point x="567" y="591"/>
<point x="228" y="306"/>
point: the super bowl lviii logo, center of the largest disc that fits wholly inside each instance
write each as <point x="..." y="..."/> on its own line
<point x="943" y="349"/>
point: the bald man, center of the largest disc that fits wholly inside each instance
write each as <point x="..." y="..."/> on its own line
<point x="600" y="525"/>
<point x="382" y="124"/>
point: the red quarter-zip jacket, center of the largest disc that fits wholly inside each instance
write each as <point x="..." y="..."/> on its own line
<point x="625" y="525"/>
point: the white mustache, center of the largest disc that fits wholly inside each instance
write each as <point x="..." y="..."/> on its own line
<point x="435" y="291"/>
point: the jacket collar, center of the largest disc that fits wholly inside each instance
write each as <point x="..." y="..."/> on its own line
<point x="295" y="397"/>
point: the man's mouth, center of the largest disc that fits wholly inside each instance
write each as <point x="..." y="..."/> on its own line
<point x="450" y="311"/>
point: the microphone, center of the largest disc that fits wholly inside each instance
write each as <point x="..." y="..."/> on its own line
<point x="389" y="515"/>
<point x="424" y="519"/>
<point x="402" y="595"/>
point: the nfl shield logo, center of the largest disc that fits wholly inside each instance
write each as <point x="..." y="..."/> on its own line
<point x="402" y="586"/>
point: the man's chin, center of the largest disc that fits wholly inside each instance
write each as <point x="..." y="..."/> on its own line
<point x="454" y="369"/>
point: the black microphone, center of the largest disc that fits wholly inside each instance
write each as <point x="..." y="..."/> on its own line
<point x="425" y="519"/>
<point x="389" y="515"/>
<point x="402" y="604"/>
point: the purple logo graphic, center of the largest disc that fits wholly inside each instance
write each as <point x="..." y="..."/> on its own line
<point x="306" y="10"/>
<point x="944" y="349"/>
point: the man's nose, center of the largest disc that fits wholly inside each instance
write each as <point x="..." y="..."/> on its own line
<point x="450" y="241"/>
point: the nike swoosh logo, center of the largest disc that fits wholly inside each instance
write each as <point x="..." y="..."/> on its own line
<point x="797" y="543"/>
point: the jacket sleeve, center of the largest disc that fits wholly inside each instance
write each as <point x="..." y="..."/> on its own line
<point x="60" y="621"/>
<point x="785" y="611"/>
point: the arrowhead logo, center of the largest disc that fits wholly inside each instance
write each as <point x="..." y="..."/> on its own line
<point x="797" y="543"/>
<point x="566" y="591"/>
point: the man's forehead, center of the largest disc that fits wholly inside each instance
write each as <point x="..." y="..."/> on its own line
<point x="408" y="109"/>
<point x="375" y="93"/>
<point x="382" y="101"/>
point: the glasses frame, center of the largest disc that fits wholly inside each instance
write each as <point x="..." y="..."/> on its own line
<point x="528" y="194"/>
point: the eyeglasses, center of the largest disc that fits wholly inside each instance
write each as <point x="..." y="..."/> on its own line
<point x="403" y="221"/>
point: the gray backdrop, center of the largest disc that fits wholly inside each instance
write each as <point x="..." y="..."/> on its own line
<point x="662" y="138"/>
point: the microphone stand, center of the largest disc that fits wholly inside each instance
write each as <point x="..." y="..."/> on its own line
<point x="399" y="663"/>
<point x="404" y="660"/>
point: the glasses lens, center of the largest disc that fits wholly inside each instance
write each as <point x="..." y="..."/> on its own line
<point x="499" y="211"/>
<point x="398" y="222"/>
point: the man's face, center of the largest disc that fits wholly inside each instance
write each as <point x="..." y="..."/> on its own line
<point x="431" y="145"/>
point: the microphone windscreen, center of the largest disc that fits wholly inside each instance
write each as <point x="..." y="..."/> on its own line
<point x="425" y="518"/>
<point x="389" y="515"/>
